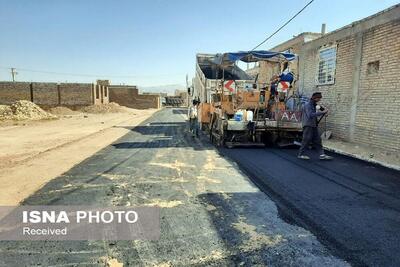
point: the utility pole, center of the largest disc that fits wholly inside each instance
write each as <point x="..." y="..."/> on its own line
<point x="13" y="74"/>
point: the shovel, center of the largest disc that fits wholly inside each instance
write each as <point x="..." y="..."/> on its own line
<point x="326" y="134"/>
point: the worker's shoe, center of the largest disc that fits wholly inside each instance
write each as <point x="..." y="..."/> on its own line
<point x="303" y="157"/>
<point x="325" y="157"/>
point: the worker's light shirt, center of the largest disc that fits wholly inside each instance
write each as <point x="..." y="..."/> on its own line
<point x="249" y="115"/>
<point x="192" y="112"/>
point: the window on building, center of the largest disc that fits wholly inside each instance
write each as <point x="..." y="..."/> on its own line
<point x="326" y="65"/>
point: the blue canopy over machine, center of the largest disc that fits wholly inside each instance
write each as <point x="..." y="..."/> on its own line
<point x="253" y="56"/>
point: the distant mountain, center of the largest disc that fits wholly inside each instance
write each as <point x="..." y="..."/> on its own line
<point x="168" y="88"/>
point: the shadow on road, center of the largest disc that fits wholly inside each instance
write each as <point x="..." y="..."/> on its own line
<point x="179" y="111"/>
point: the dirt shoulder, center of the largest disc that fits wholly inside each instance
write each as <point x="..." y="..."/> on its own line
<point x="33" y="153"/>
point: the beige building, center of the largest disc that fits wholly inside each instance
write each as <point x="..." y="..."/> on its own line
<point x="357" y="70"/>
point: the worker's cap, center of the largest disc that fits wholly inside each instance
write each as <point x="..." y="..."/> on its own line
<point x="316" y="95"/>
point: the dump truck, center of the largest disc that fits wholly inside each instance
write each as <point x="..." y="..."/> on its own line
<point x="228" y="95"/>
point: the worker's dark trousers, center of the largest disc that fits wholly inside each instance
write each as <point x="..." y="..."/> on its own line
<point x="194" y="126"/>
<point x="311" y="135"/>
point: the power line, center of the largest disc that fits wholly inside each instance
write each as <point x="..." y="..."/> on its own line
<point x="286" y="23"/>
<point x="89" y="75"/>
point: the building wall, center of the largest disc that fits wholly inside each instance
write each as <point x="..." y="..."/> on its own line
<point x="336" y="97"/>
<point x="13" y="91"/>
<point x="378" y="105"/>
<point x="364" y="101"/>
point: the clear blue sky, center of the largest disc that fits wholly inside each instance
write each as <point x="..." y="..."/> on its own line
<point x="153" y="40"/>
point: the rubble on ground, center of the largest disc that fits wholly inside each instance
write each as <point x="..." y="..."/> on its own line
<point x="24" y="110"/>
<point x="105" y="108"/>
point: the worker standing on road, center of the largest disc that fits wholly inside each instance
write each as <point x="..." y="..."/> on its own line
<point x="310" y="127"/>
<point x="250" y="122"/>
<point x="193" y="124"/>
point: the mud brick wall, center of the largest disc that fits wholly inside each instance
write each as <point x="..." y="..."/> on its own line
<point x="104" y="94"/>
<point x="364" y="100"/>
<point x="147" y="101"/>
<point x="123" y="95"/>
<point x="96" y="97"/>
<point x="13" y="91"/>
<point x="45" y="93"/>
<point x="129" y="96"/>
<point x="53" y="94"/>
<point x="76" y="94"/>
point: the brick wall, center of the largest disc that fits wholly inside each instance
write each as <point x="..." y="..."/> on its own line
<point x="337" y="97"/>
<point x="364" y="100"/>
<point x="147" y="101"/>
<point x="97" y="94"/>
<point x="45" y="93"/>
<point x="129" y="96"/>
<point x="104" y="94"/>
<point x="378" y="106"/>
<point x="13" y="91"/>
<point x="123" y="95"/>
<point x="76" y="94"/>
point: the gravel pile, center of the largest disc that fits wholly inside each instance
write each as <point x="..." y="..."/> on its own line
<point x="24" y="110"/>
<point x="5" y="112"/>
<point x="105" y="108"/>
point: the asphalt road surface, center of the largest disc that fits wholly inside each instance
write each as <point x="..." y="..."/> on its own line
<point x="352" y="206"/>
<point x="213" y="215"/>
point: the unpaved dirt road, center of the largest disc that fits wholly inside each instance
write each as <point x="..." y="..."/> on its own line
<point x="211" y="213"/>
<point x="33" y="154"/>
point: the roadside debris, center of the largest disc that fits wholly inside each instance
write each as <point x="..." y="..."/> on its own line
<point x="105" y="108"/>
<point x="24" y="110"/>
<point x="164" y="204"/>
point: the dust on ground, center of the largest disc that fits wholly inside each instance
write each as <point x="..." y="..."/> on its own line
<point x="62" y="111"/>
<point x="256" y="240"/>
<point x="111" y="262"/>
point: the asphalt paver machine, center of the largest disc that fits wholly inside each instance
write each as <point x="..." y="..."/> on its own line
<point x="240" y="110"/>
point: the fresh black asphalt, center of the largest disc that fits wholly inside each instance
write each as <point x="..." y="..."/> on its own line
<point x="352" y="206"/>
